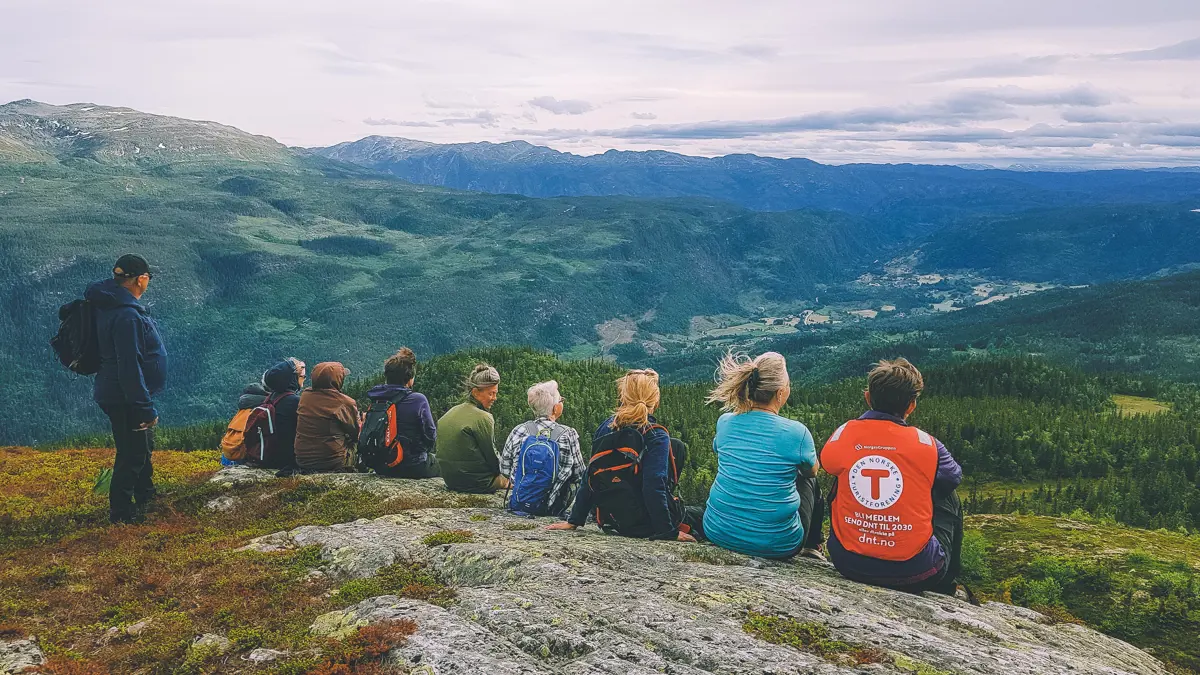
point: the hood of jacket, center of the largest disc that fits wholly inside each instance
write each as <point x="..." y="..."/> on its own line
<point x="252" y="396"/>
<point x="329" y="375"/>
<point x="382" y="392"/>
<point x="282" y="377"/>
<point x="108" y="294"/>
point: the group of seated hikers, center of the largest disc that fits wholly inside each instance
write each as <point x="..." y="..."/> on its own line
<point x="896" y="519"/>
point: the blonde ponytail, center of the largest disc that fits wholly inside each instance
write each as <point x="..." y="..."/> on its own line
<point x="639" y="395"/>
<point x="743" y="382"/>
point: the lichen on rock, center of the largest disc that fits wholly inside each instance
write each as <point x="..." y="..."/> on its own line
<point x="533" y="601"/>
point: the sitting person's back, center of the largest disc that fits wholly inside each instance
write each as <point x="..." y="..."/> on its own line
<point x="466" y="438"/>
<point x="326" y="422"/>
<point x="640" y="503"/>
<point x="543" y="485"/>
<point x="897" y="521"/>
<point x="414" y="434"/>
<point x="765" y="500"/>
<point x="283" y="382"/>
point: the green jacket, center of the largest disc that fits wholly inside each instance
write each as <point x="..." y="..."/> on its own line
<point x="466" y="448"/>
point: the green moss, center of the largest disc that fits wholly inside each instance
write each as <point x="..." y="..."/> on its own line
<point x="916" y="667"/>
<point x="407" y="580"/>
<point x="448" y="537"/>
<point x="711" y="555"/>
<point x="479" y="517"/>
<point x="517" y="527"/>
<point x="808" y="636"/>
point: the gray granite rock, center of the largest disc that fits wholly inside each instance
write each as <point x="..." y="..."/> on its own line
<point x="424" y="493"/>
<point x="534" y="601"/>
<point x="17" y="655"/>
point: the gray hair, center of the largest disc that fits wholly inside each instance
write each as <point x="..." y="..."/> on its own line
<point x="543" y="396"/>
<point x="482" y="377"/>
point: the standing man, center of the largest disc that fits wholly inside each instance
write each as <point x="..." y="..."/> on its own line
<point x="133" y="367"/>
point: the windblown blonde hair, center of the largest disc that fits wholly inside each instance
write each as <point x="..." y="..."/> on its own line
<point x="743" y="382"/>
<point x="638" y="396"/>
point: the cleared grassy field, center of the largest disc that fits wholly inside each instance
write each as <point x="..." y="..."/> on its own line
<point x="1139" y="405"/>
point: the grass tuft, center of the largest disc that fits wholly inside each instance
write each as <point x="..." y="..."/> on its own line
<point x="811" y="637"/>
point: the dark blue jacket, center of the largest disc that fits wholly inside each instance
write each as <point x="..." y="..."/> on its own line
<point x="133" y="360"/>
<point x="920" y="567"/>
<point x="656" y="483"/>
<point x="284" y="387"/>
<point x="414" y="420"/>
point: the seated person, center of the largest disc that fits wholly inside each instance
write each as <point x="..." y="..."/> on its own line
<point x="414" y="428"/>
<point x="542" y="486"/>
<point x="897" y="521"/>
<point x="765" y="500"/>
<point x="466" y="438"/>
<point x="641" y="503"/>
<point x="327" y="422"/>
<point x="278" y="385"/>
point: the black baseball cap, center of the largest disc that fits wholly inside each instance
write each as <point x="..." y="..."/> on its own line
<point x="130" y="266"/>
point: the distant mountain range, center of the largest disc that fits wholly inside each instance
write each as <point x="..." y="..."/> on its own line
<point x="918" y="194"/>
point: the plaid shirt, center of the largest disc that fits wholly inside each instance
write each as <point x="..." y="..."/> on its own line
<point x="571" y="466"/>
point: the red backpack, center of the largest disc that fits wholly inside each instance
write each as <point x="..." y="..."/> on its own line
<point x="260" y="432"/>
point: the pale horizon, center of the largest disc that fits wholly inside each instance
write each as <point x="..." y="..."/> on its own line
<point x="933" y="82"/>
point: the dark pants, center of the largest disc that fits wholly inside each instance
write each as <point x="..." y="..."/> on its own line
<point x="132" y="486"/>
<point x="812" y="512"/>
<point x="427" y="469"/>
<point x="948" y="529"/>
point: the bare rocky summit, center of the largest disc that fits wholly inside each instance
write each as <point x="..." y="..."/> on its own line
<point x="532" y="601"/>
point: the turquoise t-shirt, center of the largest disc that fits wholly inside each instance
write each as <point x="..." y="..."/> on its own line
<point x="753" y="506"/>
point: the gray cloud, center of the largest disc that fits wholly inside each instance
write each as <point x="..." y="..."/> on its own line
<point x="483" y="118"/>
<point x="643" y="115"/>
<point x="1009" y="67"/>
<point x="977" y="105"/>
<point x="1188" y="50"/>
<point x="388" y="122"/>
<point x="563" y="107"/>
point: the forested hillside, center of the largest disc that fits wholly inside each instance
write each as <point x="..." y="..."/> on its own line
<point x="260" y="251"/>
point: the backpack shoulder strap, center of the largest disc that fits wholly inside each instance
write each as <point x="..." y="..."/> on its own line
<point x="531" y="429"/>
<point x="557" y="432"/>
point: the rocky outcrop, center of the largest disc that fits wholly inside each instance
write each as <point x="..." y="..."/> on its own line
<point x="428" y="491"/>
<point x="17" y="655"/>
<point x="533" y="601"/>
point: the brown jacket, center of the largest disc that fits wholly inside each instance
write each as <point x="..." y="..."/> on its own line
<point x="326" y="421"/>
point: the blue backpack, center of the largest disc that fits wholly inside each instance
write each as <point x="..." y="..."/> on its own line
<point x="535" y="471"/>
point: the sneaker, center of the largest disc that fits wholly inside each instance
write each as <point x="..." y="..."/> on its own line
<point x="813" y="553"/>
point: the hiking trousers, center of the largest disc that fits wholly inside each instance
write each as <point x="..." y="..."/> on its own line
<point x="132" y="486"/>
<point x="948" y="530"/>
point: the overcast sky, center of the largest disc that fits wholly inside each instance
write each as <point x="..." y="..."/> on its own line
<point x="1097" y="82"/>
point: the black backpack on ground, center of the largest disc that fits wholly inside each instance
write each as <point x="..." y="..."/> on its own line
<point x="614" y="477"/>
<point x="380" y="445"/>
<point x="76" y="344"/>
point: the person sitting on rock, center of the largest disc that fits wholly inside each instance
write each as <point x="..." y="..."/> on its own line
<point x="413" y="421"/>
<point x="897" y="521"/>
<point x="466" y="438"/>
<point x="765" y="500"/>
<point x="633" y="473"/>
<point x="543" y="485"/>
<point x="327" y="422"/>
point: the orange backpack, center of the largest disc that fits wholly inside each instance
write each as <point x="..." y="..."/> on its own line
<point x="233" y="443"/>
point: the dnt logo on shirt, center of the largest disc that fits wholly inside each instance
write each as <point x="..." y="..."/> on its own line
<point x="876" y="482"/>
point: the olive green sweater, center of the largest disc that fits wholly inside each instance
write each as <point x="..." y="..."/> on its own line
<point x="466" y="448"/>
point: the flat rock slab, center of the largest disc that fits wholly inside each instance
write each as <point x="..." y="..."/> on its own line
<point x="424" y="491"/>
<point x="533" y="601"/>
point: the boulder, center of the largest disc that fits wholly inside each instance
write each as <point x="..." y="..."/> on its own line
<point x="17" y="655"/>
<point x="533" y="601"/>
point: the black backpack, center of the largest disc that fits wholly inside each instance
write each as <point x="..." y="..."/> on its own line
<point x="615" y="479"/>
<point x="380" y="446"/>
<point x="76" y="344"/>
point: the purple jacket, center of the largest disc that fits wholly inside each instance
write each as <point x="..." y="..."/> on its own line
<point x="414" y="420"/>
<point x="920" y="567"/>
